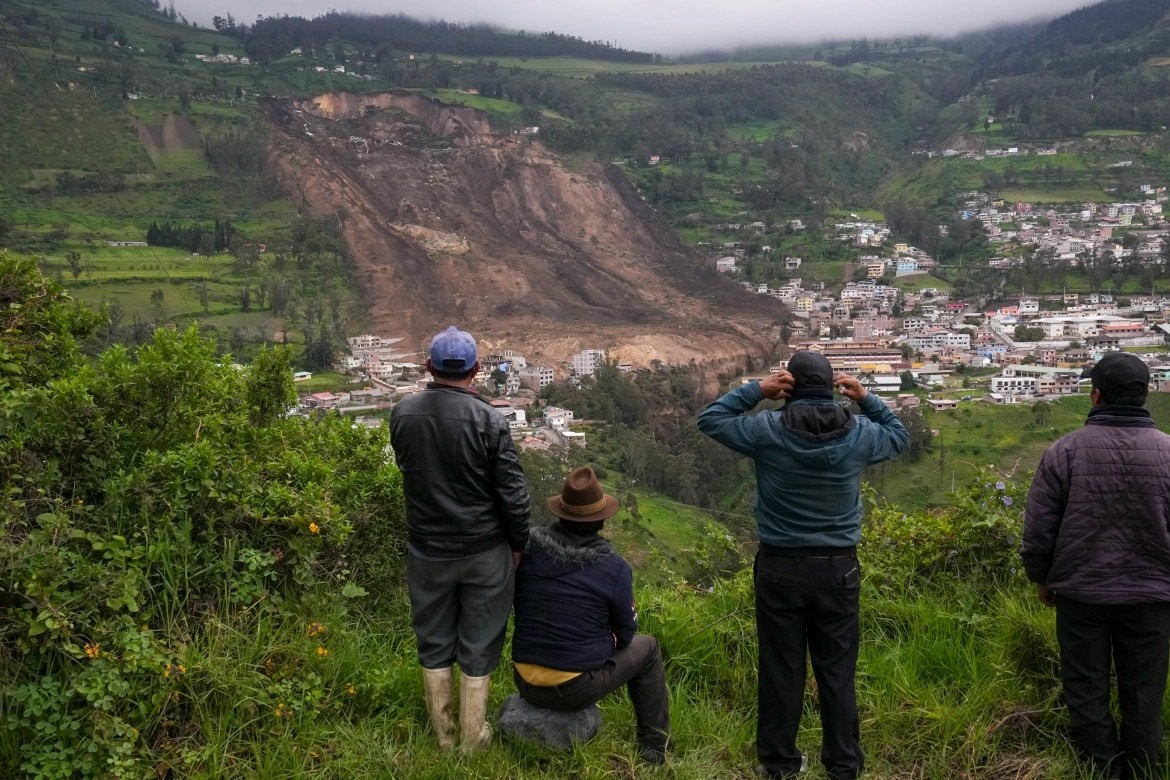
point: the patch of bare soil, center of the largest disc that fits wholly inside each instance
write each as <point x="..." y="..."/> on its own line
<point x="176" y="133"/>
<point x="448" y="223"/>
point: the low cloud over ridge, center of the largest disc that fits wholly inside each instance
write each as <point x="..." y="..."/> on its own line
<point x="677" y="26"/>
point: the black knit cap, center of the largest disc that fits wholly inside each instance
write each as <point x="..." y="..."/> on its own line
<point x="812" y="376"/>
<point x="1120" y="374"/>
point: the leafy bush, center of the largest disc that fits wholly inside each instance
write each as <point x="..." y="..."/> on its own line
<point x="146" y="497"/>
<point x="976" y="538"/>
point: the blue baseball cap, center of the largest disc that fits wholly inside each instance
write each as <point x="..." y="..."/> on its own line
<point x="453" y="351"/>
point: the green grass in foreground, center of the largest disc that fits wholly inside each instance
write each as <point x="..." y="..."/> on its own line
<point x="950" y="685"/>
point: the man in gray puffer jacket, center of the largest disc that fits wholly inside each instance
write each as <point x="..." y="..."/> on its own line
<point x="1097" y="545"/>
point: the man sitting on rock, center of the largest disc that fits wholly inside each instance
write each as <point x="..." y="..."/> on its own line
<point x="576" y="634"/>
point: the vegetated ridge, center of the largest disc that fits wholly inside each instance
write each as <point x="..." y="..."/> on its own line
<point x="449" y="222"/>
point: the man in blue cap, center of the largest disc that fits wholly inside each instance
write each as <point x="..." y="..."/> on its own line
<point x="809" y="458"/>
<point x="467" y="513"/>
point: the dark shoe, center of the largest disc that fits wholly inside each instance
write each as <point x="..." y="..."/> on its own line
<point x="652" y="747"/>
<point x="652" y="755"/>
<point x="762" y="772"/>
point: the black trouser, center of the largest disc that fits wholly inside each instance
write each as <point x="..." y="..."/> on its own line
<point x="807" y="603"/>
<point x="1134" y="640"/>
<point x="638" y="666"/>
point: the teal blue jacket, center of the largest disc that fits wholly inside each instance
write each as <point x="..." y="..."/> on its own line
<point x="809" y="457"/>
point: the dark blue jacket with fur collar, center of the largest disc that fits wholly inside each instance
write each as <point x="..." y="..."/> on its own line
<point x="574" y="602"/>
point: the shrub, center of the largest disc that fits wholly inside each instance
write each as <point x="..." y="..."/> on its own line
<point x="147" y="496"/>
<point x="975" y="538"/>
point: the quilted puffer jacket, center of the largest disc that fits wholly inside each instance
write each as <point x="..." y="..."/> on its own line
<point x="1097" y="523"/>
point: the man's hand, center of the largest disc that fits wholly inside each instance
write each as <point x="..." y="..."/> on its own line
<point x="1047" y="597"/>
<point x="849" y="386"/>
<point x="776" y="386"/>
<point x="517" y="557"/>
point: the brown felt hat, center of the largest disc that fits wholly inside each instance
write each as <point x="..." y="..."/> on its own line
<point x="582" y="499"/>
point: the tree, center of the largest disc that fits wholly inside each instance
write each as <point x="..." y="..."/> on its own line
<point x="908" y="382"/>
<point x="156" y="300"/>
<point x="920" y="434"/>
<point x="500" y="378"/>
<point x="1040" y="412"/>
<point x="245" y="299"/>
<point x="1028" y="333"/>
<point x="74" y="259"/>
<point x="319" y="355"/>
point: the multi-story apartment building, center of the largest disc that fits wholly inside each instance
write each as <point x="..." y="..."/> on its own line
<point x="586" y="362"/>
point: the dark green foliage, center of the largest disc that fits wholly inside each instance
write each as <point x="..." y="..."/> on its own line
<point x="1028" y="333"/>
<point x="40" y="327"/>
<point x="975" y="537"/>
<point x="276" y="36"/>
<point x="146" y="498"/>
<point x="651" y="437"/>
<point x="197" y="237"/>
<point x="236" y="151"/>
<point x="1103" y="23"/>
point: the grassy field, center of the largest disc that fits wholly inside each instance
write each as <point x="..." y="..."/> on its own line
<point x="1055" y="195"/>
<point x="575" y="67"/>
<point x="490" y="105"/>
<point x="755" y="131"/>
<point x="921" y="282"/>
<point x="1010" y="437"/>
<point x="1112" y="133"/>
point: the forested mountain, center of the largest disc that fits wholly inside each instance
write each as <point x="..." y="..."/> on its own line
<point x="275" y="36"/>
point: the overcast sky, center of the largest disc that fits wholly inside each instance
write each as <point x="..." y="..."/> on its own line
<point x="677" y="26"/>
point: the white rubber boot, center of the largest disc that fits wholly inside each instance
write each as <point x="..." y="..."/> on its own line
<point x="474" y="731"/>
<point x="437" y="687"/>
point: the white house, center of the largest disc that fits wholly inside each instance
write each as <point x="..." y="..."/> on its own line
<point x="556" y="417"/>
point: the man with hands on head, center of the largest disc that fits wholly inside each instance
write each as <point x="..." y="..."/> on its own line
<point x="809" y="457"/>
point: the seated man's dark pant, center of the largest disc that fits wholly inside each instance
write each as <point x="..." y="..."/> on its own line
<point x="638" y="666"/>
<point x="807" y="603"/>
<point x="1134" y="640"/>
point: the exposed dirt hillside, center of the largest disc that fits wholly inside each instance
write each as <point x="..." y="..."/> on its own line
<point x="176" y="133"/>
<point x="449" y="223"/>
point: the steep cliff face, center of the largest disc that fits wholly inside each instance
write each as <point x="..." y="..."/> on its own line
<point x="449" y="223"/>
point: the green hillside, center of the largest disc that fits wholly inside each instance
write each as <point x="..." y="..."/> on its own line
<point x="206" y="588"/>
<point x="976" y="436"/>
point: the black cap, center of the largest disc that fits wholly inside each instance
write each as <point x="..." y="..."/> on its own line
<point x="1120" y="374"/>
<point x="811" y="374"/>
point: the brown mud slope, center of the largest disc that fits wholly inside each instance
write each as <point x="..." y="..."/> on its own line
<point x="450" y="224"/>
<point x="176" y="133"/>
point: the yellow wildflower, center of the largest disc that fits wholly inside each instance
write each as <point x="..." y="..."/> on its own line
<point x="92" y="649"/>
<point x="317" y="629"/>
<point x="283" y="710"/>
<point x="350" y="690"/>
<point x="322" y="652"/>
<point x="314" y="528"/>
